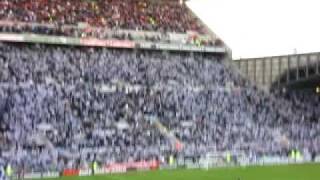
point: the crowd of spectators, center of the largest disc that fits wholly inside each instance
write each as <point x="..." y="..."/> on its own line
<point x="165" y="16"/>
<point x="65" y="107"/>
<point x="69" y="31"/>
<point x="307" y="99"/>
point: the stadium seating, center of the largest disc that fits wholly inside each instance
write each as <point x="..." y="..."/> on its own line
<point x="306" y="99"/>
<point x="64" y="107"/>
<point x="166" y="16"/>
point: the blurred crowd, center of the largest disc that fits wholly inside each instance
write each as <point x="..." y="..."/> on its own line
<point x="165" y="16"/>
<point x="307" y="99"/>
<point x="65" y="107"/>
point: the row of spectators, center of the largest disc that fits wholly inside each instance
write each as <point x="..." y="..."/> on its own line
<point x="65" y="107"/>
<point x="97" y="66"/>
<point x="165" y="16"/>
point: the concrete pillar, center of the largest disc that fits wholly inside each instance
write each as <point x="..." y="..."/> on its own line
<point x="308" y="65"/>
<point x="279" y="70"/>
<point x="247" y="69"/>
<point x="271" y="71"/>
<point x="298" y="67"/>
<point x="263" y="72"/>
<point x="254" y="69"/>
<point x="288" y="70"/>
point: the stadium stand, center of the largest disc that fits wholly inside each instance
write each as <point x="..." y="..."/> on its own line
<point x="306" y="99"/>
<point x="163" y="16"/>
<point x="64" y="107"/>
<point x="152" y="21"/>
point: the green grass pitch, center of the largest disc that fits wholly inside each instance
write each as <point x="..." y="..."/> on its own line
<point x="282" y="172"/>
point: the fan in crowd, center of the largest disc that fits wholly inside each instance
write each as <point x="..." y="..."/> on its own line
<point x="63" y="107"/>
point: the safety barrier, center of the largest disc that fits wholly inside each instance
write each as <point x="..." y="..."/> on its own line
<point x="111" y="43"/>
<point x="119" y="168"/>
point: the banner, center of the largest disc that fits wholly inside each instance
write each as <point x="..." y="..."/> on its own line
<point x="143" y="165"/>
<point x="180" y="47"/>
<point x="51" y="175"/>
<point x="124" y="167"/>
<point x="271" y="160"/>
<point x="101" y="171"/>
<point x="85" y="172"/>
<point x="116" y="168"/>
<point x="107" y="43"/>
<point x="70" y="172"/>
<point x="11" y="37"/>
<point x="34" y="175"/>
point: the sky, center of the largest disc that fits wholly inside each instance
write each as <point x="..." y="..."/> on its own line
<point x="256" y="28"/>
